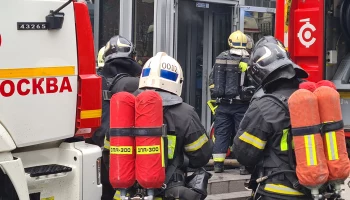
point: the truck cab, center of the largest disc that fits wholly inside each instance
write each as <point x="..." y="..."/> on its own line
<point x="49" y="96"/>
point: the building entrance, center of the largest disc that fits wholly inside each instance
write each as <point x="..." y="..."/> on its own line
<point x="203" y="29"/>
<point x="202" y="32"/>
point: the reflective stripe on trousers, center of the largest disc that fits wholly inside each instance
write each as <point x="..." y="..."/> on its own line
<point x="219" y="157"/>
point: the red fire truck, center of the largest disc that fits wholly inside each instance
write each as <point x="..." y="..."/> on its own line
<point x="317" y="35"/>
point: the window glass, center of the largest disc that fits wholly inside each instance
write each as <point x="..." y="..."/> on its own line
<point x="258" y="24"/>
<point x="143" y="29"/>
<point x="109" y="20"/>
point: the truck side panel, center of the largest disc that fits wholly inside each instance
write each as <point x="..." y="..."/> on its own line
<point x="306" y="37"/>
<point x="38" y="83"/>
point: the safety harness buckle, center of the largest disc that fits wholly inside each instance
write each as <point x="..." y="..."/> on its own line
<point x="331" y="126"/>
<point x="106" y="95"/>
<point x="164" y="186"/>
<point x="296" y="185"/>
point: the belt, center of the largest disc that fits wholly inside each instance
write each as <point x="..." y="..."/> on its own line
<point x="230" y="101"/>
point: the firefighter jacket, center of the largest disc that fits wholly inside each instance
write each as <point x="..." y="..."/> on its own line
<point x="228" y="79"/>
<point x="262" y="141"/>
<point x="125" y="84"/>
<point x="186" y="135"/>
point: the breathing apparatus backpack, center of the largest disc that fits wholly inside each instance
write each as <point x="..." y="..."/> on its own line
<point x="139" y="148"/>
<point x="320" y="157"/>
<point x="107" y="86"/>
<point x="231" y="81"/>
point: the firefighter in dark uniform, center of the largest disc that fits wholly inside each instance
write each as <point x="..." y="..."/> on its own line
<point x="227" y="76"/>
<point x="270" y="39"/>
<point x="120" y="72"/>
<point x="261" y="138"/>
<point x="188" y="144"/>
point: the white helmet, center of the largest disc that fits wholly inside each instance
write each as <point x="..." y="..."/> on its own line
<point x="162" y="72"/>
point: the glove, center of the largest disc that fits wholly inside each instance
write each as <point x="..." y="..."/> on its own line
<point x="243" y="66"/>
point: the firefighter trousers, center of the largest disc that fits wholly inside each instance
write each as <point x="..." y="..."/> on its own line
<point x="227" y="120"/>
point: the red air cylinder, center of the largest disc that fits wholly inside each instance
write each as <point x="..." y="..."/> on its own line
<point x="150" y="169"/>
<point x="122" y="150"/>
<point x="311" y="86"/>
<point x="334" y="138"/>
<point x="311" y="169"/>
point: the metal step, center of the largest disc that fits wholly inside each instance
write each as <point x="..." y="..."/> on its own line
<point x="230" y="196"/>
<point x="227" y="182"/>
<point x="44" y="170"/>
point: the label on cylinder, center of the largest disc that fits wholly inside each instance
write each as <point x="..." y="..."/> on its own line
<point x="155" y="149"/>
<point x="121" y="150"/>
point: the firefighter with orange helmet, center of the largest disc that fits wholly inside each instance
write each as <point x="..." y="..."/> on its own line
<point x="261" y="140"/>
<point x="188" y="144"/>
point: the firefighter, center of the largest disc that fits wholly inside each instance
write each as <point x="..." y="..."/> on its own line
<point x="121" y="73"/>
<point x="188" y="144"/>
<point x="262" y="132"/>
<point x="227" y="88"/>
<point x="270" y="39"/>
<point x="100" y="60"/>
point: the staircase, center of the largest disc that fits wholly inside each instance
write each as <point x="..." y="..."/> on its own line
<point x="228" y="186"/>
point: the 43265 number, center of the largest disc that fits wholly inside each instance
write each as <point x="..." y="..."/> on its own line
<point x="31" y="26"/>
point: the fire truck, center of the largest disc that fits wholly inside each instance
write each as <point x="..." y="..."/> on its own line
<point x="50" y="100"/>
<point x="317" y="35"/>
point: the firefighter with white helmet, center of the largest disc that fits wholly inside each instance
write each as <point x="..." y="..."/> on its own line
<point x="231" y="94"/>
<point x="188" y="144"/>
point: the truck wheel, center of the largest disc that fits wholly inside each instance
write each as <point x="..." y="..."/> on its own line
<point x="7" y="191"/>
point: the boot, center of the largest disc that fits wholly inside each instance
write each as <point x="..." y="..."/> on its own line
<point x="218" y="167"/>
<point x="243" y="171"/>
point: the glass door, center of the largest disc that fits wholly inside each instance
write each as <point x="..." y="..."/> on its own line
<point x="202" y="32"/>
